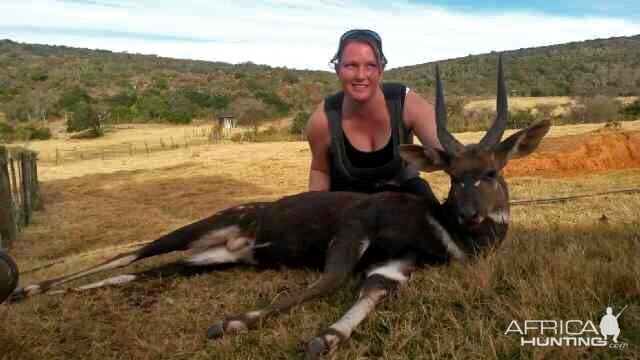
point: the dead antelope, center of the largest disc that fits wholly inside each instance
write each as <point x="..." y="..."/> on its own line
<point x="386" y="235"/>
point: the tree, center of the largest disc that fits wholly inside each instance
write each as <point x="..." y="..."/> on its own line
<point x="299" y="122"/>
<point x="249" y="112"/>
<point x="88" y="116"/>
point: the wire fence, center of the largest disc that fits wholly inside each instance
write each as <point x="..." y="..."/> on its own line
<point x="196" y="137"/>
<point x="19" y="192"/>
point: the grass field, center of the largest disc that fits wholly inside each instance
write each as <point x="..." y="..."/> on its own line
<point x="560" y="261"/>
<point x="560" y="103"/>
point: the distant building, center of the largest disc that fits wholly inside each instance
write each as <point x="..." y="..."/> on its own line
<point x="227" y="122"/>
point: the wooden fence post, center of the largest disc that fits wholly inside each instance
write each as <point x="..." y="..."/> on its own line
<point x="26" y="175"/>
<point x="12" y="170"/>
<point x="35" y="185"/>
<point x="8" y="229"/>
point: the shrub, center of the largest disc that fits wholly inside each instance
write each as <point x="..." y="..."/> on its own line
<point x="17" y="109"/>
<point x="249" y="112"/>
<point x="152" y="106"/>
<point x="520" y="118"/>
<point x="39" y="75"/>
<point x="85" y="116"/>
<point x="299" y="122"/>
<point x="7" y="132"/>
<point x="180" y="110"/>
<point x="270" y="98"/>
<point x="23" y="132"/>
<point x="633" y="109"/>
<point x="71" y="97"/>
<point x="39" y="133"/>
<point x="599" y="108"/>
<point x="290" y="77"/>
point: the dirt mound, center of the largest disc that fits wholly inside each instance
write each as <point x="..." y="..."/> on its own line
<point x="596" y="151"/>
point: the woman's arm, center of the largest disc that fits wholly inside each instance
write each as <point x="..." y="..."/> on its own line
<point x="319" y="142"/>
<point x="419" y="116"/>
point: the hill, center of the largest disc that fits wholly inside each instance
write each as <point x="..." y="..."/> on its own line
<point x="587" y="68"/>
<point x="40" y="82"/>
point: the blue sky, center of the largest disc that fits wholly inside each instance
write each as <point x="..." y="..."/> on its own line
<point x="304" y="34"/>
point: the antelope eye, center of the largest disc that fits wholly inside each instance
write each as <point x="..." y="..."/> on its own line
<point x="491" y="175"/>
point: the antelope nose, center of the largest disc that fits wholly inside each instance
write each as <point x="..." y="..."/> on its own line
<point x="467" y="214"/>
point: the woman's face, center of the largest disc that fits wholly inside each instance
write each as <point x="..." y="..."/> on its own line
<point x="359" y="71"/>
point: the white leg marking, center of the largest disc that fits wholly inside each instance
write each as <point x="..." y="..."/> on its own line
<point x="254" y="314"/>
<point x="358" y="312"/>
<point x="443" y="235"/>
<point x="221" y="255"/>
<point x="216" y="237"/>
<point x="236" y="325"/>
<point x="123" y="261"/>
<point x="500" y="216"/>
<point x="392" y="270"/>
<point x="115" y="280"/>
<point x="238" y="243"/>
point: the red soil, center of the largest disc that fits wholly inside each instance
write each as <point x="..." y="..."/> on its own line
<point x="571" y="155"/>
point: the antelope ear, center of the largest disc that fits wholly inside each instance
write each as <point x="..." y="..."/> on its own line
<point x="522" y="143"/>
<point x="425" y="159"/>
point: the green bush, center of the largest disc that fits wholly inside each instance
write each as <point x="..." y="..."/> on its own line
<point x="7" y="132"/>
<point x="83" y="116"/>
<point x="521" y="118"/>
<point x="151" y="105"/>
<point x="271" y="99"/>
<point x="39" y="75"/>
<point x="180" y="109"/>
<point x="40" y="133"/>
<point x="71" y="97"/>
<point x="632" y="110"/>
<point x="299" y="122"/>
<point x="599" y="108"/>
<point x="23" y="132"/>
<point x="33" y="132"/>
<point x="17" y="109"/>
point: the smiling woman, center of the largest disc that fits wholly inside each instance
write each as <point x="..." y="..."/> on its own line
<point x="354" y="135"/>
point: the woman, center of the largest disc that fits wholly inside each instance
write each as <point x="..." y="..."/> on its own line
<point x="354" y="134"/>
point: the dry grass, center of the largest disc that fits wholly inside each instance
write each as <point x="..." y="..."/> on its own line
<point x="525" y="103"/>
<point x="559" y="262"/>
<point x="202" y="158"/>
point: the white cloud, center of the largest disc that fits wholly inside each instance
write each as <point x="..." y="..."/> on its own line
<point x="290" y="33"/>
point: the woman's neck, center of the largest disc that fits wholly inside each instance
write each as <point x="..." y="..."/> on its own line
<point x="364" y="110"/>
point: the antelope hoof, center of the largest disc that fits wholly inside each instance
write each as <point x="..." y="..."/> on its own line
<point x="216" y="331"/>
<point x="315" y="348"/>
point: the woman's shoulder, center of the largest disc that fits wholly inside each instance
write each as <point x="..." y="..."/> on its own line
<point x="318" y="125"/>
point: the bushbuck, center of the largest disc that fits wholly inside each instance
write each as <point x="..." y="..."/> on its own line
<point x="384" y="236"/>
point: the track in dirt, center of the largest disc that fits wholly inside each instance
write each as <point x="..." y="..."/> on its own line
<point x="597" y="151"/>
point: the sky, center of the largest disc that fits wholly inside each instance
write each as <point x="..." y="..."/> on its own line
<point x="304" y="34"/>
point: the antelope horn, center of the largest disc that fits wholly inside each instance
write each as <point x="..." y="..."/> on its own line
<point x="449" y="143"/>
<point x="494" y="134"/>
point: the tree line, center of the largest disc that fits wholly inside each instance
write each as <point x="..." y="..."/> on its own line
<point x="87" y="87"/>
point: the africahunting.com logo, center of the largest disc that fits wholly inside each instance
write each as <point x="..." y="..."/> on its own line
<point x="569" y="332"/>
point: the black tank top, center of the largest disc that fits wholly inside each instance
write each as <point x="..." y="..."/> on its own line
<point x="354" y="170"/>
<point x="368" y="159"/>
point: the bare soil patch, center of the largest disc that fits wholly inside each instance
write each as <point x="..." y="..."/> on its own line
<point x="597" y="151"/>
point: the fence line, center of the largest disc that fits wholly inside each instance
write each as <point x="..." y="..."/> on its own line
<point x="197" y="137"/>
<point x="19" y="192"/>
